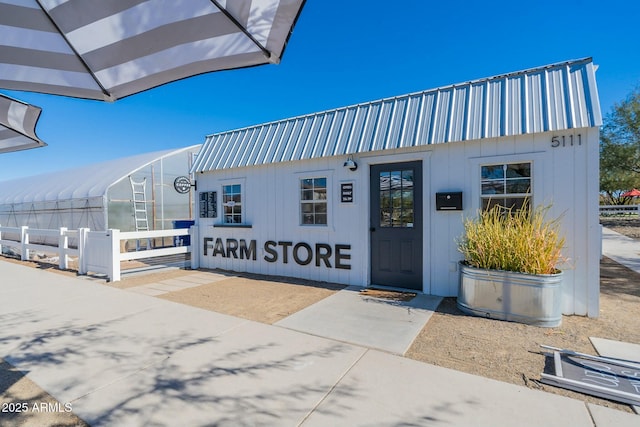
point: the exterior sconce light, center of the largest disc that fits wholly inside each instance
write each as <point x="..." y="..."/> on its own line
<point x="350" y="163"/>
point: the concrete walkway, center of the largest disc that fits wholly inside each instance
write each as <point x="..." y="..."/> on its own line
<point x="172" y="285"/>
<point x="622" y="249"/>
<point x="347" y="316"/>
<point x="370" y="322"/>
<point x="128" y="359"/>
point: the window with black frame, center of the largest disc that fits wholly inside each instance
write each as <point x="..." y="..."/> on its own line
<point x="507" y="185"/>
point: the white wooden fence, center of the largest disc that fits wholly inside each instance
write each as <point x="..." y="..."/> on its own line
<point x="23" y="243"/>
<point x="98" y="251"/>
<point x="619" y="209"/>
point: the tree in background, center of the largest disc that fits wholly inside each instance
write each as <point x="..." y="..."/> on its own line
<point x="620" y="149"/>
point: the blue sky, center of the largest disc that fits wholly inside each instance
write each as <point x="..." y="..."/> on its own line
<point x="343" y="53"/>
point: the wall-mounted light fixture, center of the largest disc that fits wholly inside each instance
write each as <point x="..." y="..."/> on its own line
<point x="350" y="163"/>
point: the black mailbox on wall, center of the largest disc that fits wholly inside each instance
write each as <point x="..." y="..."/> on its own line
<point x="449" y="201"/>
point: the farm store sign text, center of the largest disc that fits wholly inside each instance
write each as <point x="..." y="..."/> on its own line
<point x="323" y="254"/>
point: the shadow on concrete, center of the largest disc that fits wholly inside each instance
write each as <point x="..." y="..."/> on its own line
<point x="229" y="389"/>
<point x="119" y="376"/>
<point x="616" y="279"/>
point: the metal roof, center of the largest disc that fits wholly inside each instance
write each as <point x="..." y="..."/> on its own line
<point x="549" y="98"/>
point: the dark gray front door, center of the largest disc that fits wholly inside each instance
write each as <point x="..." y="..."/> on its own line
<point x="396" y="225"/>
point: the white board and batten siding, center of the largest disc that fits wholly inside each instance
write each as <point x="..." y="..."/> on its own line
<point x="563" y="178"/>
<point x="529" y="116"/>
<point x="271" y="200"/>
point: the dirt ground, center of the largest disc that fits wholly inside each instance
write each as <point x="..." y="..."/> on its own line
<point x="504" y="351"/>
<point x="267" y="302"/>
<point x="511" y="352"/>
<point x="17" y="389"/>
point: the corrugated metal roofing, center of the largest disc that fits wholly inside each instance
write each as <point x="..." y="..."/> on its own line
<point x="549" y="98"/>
<point x="78" y="183"/>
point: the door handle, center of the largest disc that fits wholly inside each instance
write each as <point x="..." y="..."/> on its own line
<point x="372" y="229"/>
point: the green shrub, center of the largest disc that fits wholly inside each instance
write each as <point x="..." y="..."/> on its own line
<point x="520" y="241"/>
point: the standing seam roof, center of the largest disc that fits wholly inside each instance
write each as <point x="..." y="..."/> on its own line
<point x="550" y="98"/>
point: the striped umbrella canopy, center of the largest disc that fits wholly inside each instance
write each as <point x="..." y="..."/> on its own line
<point x="17" y="125"/>
<point x="109" y="49"/>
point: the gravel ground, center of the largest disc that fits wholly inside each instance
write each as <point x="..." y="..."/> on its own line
<point x="628" y="225"/>
<point x="511" y="352"/>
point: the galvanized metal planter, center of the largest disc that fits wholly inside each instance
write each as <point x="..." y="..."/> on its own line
<point x="505" y="295"/>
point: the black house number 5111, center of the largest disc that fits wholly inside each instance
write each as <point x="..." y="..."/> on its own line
<point x="566" y="141"/>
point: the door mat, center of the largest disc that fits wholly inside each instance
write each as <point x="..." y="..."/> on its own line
<point x="388" y="295"/>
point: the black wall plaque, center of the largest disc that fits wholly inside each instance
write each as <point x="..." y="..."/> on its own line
<point x="208" y="204"/>
<point x="346" y="192"/>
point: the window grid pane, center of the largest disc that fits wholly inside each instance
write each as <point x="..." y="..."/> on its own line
<point x="232" y="203"/>
<point x="313" y="201"/>
<point x="507" y="185"/>
<point x="396" y="198"/>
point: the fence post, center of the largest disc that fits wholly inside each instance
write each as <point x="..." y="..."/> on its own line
<point x="114" y="255"/>
<point x="82" y="242"/>
<point x="24" y="241"/>
<point x="195" y="247"/>
<point x="63" y="245"/>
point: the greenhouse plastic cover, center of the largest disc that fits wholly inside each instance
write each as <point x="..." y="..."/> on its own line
<point x="78" y="183"/>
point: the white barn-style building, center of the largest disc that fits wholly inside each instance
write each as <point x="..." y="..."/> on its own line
<point x="376" y="193"/>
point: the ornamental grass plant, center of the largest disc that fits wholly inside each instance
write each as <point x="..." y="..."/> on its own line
<point x="521" y="241"/>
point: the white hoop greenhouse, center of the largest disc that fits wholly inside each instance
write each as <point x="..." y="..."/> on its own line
<point x="104" y="195"/>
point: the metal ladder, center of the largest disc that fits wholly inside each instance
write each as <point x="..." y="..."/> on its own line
<point x="139" y="202"/>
